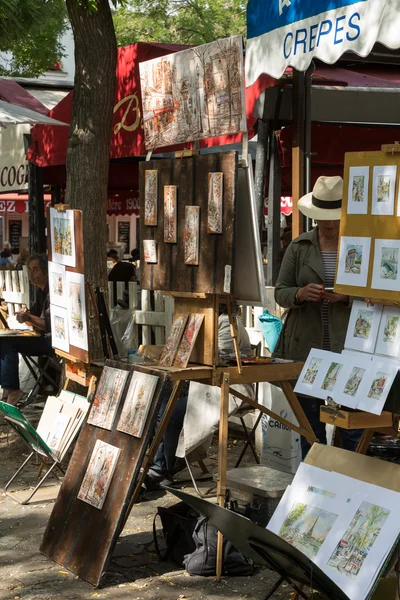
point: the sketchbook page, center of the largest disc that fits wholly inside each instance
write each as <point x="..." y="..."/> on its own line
<point x="363" y="327"/>
<point x="52" y="407"/>
<point x="377" y="384"/>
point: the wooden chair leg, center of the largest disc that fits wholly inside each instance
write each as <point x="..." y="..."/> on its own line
<point x="365" y="441"/>
<point x="222" y="462"/>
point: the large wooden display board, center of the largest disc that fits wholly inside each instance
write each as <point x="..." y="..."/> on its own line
<point x="82" y="537"/>
<point x="373" y="226"/>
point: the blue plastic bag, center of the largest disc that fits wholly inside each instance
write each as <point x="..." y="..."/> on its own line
<point x="271" y="327"/>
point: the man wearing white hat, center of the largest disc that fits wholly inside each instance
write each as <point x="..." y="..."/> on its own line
<point x="317" y="317"/>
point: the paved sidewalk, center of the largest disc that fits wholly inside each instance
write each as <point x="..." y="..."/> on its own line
<point x="135" y="572"/>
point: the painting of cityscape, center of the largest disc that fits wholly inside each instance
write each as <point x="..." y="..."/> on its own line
<point x="99" y="473"/>
<point x="383" y="191"/>
<point x="358" y="188"/>
<point x="215" y="197"/>
<point x="107" y="397"/>
<point x="363" y="324"/>
<point x="192" y="235"/>
<point x="312" y="371"/>
<point x="353" y="260"/>
<point x="137" y="404"/>
<point x="306" y="528"/>
<point x="194" y="94"/>
<point x="62" y="237"/>
<point x="170" y="214"/>
<point x="391" y="329"/>
<point x="173" y="340"/>
<point x="331" y="376"/>
<point x="353" y="382"/>
<point x="378" y="385"/>
<point x="150" y="198"/>
<point x="353" y="549"/>
<point x="150" y="251"/>
<point x="389" y="263"/>
<point x="188" y="340"/>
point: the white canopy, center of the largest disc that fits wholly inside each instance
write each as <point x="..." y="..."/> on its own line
<point x="283" y="33"/>
<point x="11" y="114"/>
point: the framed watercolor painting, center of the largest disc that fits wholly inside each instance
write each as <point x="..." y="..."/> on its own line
<point x="170" y="226"/>
<point x="62" y="232"/>
<point x="173" y="340"/>
<point x="306" y="383"/>
<point x="329" y="374"/>
<point x="99" y="474"/>
<point x="353" y="262"/>
<point x="107" y="397"/>
<point x="349" y="387"/>
<point x="150" y="197"/>
<point x="383" y="187"/>
<point x="357" y="203"/>
<point x="386" y="266"/>
<point x="215" y="199"/>
<point x="78" y="335"/>
<point x="137" y="404"/>
<point x="362" y="331"/>
<point x="57" y="285"/>
<point x="377" y="384"/>
<point x="388" y="341"/>
<point x="59" y="328"/>
<point x="150" y="251"/>
<point x="192" y="235"/>
<point x="191" y="332"/>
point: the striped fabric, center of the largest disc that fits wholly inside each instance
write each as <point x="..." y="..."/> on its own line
<point x="329" y="261"/>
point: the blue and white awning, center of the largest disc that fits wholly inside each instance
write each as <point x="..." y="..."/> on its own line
<point x="283" y="33"/>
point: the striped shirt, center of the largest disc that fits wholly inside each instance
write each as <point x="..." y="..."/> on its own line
<point x="329" y="262"/>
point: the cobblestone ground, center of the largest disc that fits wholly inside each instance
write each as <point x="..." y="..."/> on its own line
<point x="135" y="572"/>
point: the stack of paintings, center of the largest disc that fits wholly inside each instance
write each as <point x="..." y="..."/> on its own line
<point x="181" y="340"/>
<point x="345" y="526"/>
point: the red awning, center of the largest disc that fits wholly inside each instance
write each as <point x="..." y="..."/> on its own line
<point x="11" y="91"/>
<point x="49" y="144"/>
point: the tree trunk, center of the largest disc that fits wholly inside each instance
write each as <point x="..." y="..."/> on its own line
<point x="88" y="150"/>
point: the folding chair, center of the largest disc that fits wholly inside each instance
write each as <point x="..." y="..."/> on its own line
<point x="42" y="369"/>
<point x="250" y="437"/>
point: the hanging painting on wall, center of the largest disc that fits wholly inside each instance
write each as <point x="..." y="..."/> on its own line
<point x="150" y="198"/>
<point x="150" y="251"/>
<point x="188" y="340"/>
<point x="57" y="285"/>
<point x="215" y="197"/>
<point x="77" y="310"/>
<point x="99" y="474"/>
<point x="62" y="232"/>
<point x="108" y="395"/>
<point x="170" y="213"/>
<point x="137" y="403"/>
<point x="192" y="235"/>
<point x="174" y="338"/>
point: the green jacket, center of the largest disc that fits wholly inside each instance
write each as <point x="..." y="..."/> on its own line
<point x="303" y="329"/>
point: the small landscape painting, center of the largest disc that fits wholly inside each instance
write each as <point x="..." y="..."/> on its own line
<point x="137" y="403"/>
<point x="389" y="263"/>
<point x="215" y="198"/>
<point x="150" y="197"/>
<point x="170" y="227"/>
<point x="99" y="473"/>
<point x="192" y="235"/>
<point x="378" y="386"/>
<point x="173" y="340"/>
<point x="312" y="371"/>
<point x="353" y="259"/>
<point x="353" y="382"/>
<point x="188" y="340"/>
<point x="358" y="188"/>
<point x="307" y="527"/>
<point x="363" y="324"/>
<point x="383" y="190"/>
<point x="353" y="549"/>
<point x="150" y="251"/>
<point x="331" y="376"/>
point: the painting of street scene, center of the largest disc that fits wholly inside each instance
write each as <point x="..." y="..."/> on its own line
<point x="170" y="213"/>
<point x="137" y="404"/>
<point x="353" y="260"/>
<point x="363" y="324"/>
<point x="357" y="194"/>
<point x="62" y="236"/>
<point x="353" y="382"/>
<point x="215" y="193"/>
<point x="383" y="191"/>
<point x="390" y="330"/>
<point x="99" y="473"/>
<point x="188" y="340"/>
<point x="192" y="235"/>
<point x="150" y="197"/>
<point x="57" y="283"/>
<point x="194" y="94"/>
<point x="306" y="528"/>
<point x="331" y="376"/>
<point x="312" y="371"/>
<point x="75" y="303"/>
<point x="389" y="263"/>
<point x="107" y="397"/>
<point x="150" y="251"/>
<point x="173" y="340"/>
<point x="60" y="327"/>
<point x="378" y="386"/>
<point x="353" y="549"/>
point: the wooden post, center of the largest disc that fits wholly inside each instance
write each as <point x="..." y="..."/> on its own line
<point x="298" y="150"/>
<point x="222" y="462"/>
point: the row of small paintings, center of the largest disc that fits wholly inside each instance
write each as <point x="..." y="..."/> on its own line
<point x="181" y="340"/>
<point x="137" y="403"/>
<point x="191" y="238"/>
<point x="383" y="191"/>
<point x="374" y="329"/>
<point x="354" y="263"/>
<point x="352" y="379"/>
<point x="67" y="308"/>
<point x="344" y="525"/>
<point x="215" y="200"/>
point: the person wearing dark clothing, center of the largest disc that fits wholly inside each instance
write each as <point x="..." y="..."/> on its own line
<point x="39" y="318"/>
<point x="122" y="270"/>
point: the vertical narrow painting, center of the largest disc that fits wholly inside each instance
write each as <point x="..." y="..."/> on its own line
<point x="99" y="473"/>
<point x="188" y="340"/>
<point x="77" y="310"/>
<point x="150" y="251"/>
<point x="107" y="397"/>
<point x="353" y="549"/>
<point x="312" y="371"/>
<point x="383" y="187"/>
<point x="62" y="233"/>
<point x="192" y="235"/>
<point x="194" y="94"/>
<point x="331" y="377"/>
<point x="170" y="193"/>
<point x="150" y="198"/>
<point x="388" y="342"/>
<point x="215" y="198"/>
<point x="59" y="328"/>
<point x="57" y="285"/>
<point x="358" y="191"/>
<point x="173" y="340"/>
<point x="354" y="381"/>
<point x="307" y="527"/>
<point x="137" y="404"/>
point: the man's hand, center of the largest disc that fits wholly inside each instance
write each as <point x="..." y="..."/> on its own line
<point x="332" y="297"/>
<point x="22" y="316"/>
<point x="310" y="293"/>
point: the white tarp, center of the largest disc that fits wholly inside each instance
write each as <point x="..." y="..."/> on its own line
<point x="283" y="33"/>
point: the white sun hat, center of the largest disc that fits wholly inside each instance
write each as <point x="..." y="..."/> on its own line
<point x="325" y="201"/>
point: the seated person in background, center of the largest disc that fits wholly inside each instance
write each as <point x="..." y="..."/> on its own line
<point x="39" y="318"/>
<point x="22" y="258"/>
<point x="135" y="254"/>
<point x="6" y="258"/>
<point x="122" y="270"/>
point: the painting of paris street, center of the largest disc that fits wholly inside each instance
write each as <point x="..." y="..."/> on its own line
<point x="99" y="473"/>
<point x="194" y="94"/>
<point x="137" y="403"/>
